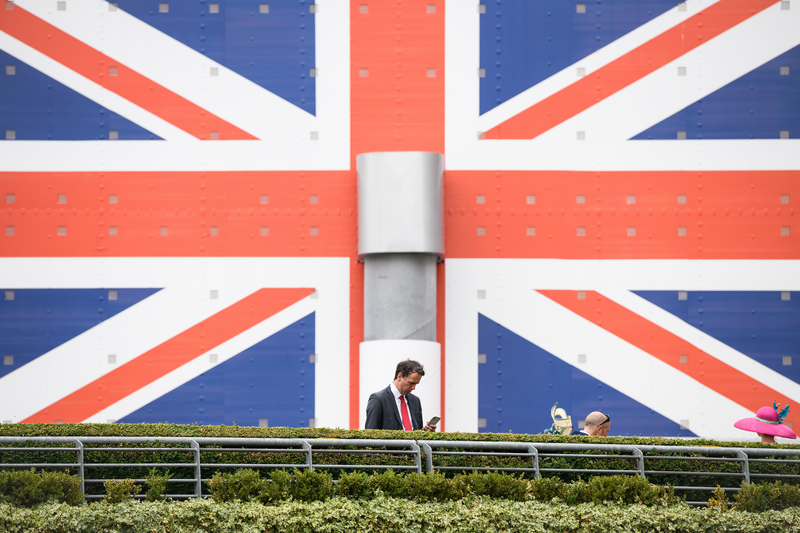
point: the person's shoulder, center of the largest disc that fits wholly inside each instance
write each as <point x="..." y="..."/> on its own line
<point x="579" y="432"/>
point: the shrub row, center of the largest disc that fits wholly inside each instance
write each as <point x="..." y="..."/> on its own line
<point x="473" y="514"/>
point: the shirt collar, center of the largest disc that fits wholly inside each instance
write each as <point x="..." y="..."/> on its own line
<point x="395" y="391"/>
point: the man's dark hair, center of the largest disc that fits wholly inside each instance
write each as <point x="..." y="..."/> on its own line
<point x="408" y="367"/>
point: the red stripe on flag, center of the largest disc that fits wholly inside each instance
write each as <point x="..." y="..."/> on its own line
<point x="627" y="69"/>
<point x="667" y="347"/>
<point x="168" y="356"/>
<point x="129" y="84"/>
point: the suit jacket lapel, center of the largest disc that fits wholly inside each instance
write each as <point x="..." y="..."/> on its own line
<point x="395" y="409"/>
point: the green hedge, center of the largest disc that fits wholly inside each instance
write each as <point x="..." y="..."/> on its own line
<point x="480" y="515"/>
<point x="178" y="454"/>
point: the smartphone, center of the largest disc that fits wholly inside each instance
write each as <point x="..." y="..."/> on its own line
<point x="433" y="421"/>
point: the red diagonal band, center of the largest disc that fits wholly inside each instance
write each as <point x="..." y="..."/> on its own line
<point x="164" y="358"/>
<point x="129" y="84"/>
<point x="627" y="69"/>
<point x="660" y="343"/>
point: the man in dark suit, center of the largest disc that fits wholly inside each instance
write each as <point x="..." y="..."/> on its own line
<point x="395" y="407"/>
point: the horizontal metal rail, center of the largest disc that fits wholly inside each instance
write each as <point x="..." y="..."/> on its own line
<point x="205" y="454"/>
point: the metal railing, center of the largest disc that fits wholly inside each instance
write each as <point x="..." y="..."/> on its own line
<point x="533" y="459"/>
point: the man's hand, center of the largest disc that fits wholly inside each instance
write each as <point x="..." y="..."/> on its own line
<point x="429" y="427"/>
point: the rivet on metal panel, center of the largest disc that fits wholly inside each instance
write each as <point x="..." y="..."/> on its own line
<point x="12" y="70"/>
<point x="163" y="231"/>
<point x="112" y="359"/>
<point x="785" y="231"/>
<point x="313" y="231"/>
<point x="113" y="6"/>
<point x="681" y="231"/>
<point x="430" y="9"/>
<point x="631" y="231"/>
<point x="785" y="296"/>
<point x="481" y="231"/>
<point x="683" y="295"/>
<point x="784" y="134"/>
<point x="214" y="71"/>
<point x="8" y="360"/>
<point x="314" y="136"/>
<point x="530" y="231"/>
<point x="163" y="7"/>
<point x="581" y="232"/>
<point x="581" y="358"/>
<point x="581" y="136"/>
<point x="431" y="72"/>
<point x="213" y="8"/>
<point x="681" y="71"/>
<point x="363" y="9"/>
<point x="213" y="231"/>
<point x="112" y="295"/>
<point x="9" y="295"/>
<point x="213" y="135"/>
<point x="61" y="6"/>
<point x="580" y="199"/>
<point x="581" y="72"/>
<point x="11" y="135"/>
<point x="683" y="359"/>
<point x="213" y="358"/>
<point x="787" y="360"/>
<point x="264" y="231"/>
<point x="61" y="231"/>
<point x="481" y="294"/>
<point x="113" y="135"/>
<point x="480" y="199"/>
<point x="363" y="73"/>
<point x="580" y="8"/>
<point x="681" y="198"/>
<point x="11" y="198"/>
<point x="10" y="231"/>
<point x="112" y="230"/>
<point x="784" y="199"/>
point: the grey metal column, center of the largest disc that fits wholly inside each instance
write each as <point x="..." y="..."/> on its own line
<point x="400" y="237"/>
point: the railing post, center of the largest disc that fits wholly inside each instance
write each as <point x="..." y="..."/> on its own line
<point x="639" y="461"/>
<point x="309" y="460"/>
<point x="535" y="460"/>
<point x="428" y="457"/>
<point x="745" y="464"/>
<point x="81" y="472"/>
<point x="198" y="481"/>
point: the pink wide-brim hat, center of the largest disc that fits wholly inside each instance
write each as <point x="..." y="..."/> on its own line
<point x="766" y="422"/>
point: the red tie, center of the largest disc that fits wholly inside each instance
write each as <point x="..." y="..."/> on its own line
<point x="404" y="412"/>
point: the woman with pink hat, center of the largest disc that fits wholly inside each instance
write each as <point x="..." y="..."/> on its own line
<point x="768" y="424"/>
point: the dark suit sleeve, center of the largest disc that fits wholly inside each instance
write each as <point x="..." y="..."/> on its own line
<point x="374" y="412"/>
